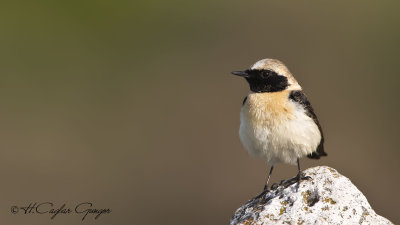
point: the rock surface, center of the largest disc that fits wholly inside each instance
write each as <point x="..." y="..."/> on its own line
<point x="323" y="197"/>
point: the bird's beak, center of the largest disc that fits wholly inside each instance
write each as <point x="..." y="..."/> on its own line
<point x="240" y="73"/>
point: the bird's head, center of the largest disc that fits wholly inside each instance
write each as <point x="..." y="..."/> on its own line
<point x="269" y="75"/>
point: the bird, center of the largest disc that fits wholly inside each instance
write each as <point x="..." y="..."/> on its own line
<point x="277" y="122"/>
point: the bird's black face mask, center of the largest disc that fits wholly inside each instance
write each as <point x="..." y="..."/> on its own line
<point x="264" y="80"/>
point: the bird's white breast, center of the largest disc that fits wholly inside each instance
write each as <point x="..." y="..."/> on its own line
<point x="277" y="129"/>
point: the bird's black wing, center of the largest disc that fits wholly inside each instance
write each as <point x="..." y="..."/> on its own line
<point x="244" y="101"/>
<point x="301" y="98"/>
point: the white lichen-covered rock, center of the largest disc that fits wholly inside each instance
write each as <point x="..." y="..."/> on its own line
<point x="323" y="197"/>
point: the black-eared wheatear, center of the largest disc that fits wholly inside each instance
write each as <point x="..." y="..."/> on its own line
<point x="277" y="122"/>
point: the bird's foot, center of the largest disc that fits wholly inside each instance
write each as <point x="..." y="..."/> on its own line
<point x="274" y="186"/>
<point x="301" y="176"/>
<point x="293" y="180"/>
<point x="265" y="191"/>
<point x="285" y="183"/>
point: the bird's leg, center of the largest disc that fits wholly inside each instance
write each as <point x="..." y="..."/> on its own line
<point x="266" y="184"/>
<point x="298" y="174"/>
<point x="269" y="175"/>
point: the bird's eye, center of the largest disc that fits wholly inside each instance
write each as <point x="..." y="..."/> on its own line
<point x="265" y="73"/>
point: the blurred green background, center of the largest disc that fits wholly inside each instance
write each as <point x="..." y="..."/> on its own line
<point x="131" y="105"/>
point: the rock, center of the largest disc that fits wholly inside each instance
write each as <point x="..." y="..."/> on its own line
<point x="323" y="197"/>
